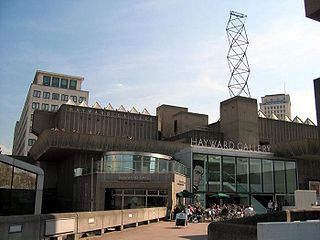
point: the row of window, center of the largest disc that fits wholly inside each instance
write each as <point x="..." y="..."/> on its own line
<point x="276" y="107"/>
<point x="238" y="174"/>
<point x="31" y="141"/>
<point x="45" y="106"/>
<point x="59" y="82"/>
<point x="57" y="96"/>
<point x="277" y="111"/>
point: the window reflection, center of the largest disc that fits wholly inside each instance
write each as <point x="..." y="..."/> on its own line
<point x="228" y="169"/>
<point x="267" y="168"/>
<point x="255" y="175"/>
<point x="279" y="177"/>
<point x="291" y="177"/>
<point x="23" y="179"/>
<point x="242" y="174"/>
<point x="5" y="175"/>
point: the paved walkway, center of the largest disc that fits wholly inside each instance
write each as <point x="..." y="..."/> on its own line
<point x="160" y="231"/>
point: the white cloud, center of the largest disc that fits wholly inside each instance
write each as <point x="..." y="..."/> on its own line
<point x="5" y="149"/>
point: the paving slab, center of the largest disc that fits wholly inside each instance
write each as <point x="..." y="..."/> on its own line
<point x="160" y="231"/>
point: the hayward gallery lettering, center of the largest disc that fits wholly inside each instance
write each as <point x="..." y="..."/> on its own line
<point x="229" y="145"/>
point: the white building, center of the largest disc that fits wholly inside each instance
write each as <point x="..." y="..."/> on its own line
<point x="276" y="104"/>
<point x="47" y="92"/>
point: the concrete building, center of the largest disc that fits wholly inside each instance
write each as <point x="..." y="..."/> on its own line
<point x="109" y="168"/>
<point x="276" y="104"/>
<point x="312" y="8"/>
<point x="175" y="120"/>
<point x="48" y="91"/>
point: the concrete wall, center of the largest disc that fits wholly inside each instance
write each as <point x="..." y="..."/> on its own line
<point x="39" y="227"/>
<point x="305" y="199"/>
<point x="289" y="230"/>
<point x="165" y="115"/>
<point x="277" y="131"/>
<point x="239" y="120"/>
<point x="186" y="121"/>
<point x="246" y="228"/>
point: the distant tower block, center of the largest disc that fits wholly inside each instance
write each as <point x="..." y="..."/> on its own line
<point x="237" y="58"/>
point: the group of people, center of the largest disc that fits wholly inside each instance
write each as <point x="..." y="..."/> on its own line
<point x="216" y="212"/>
<point x="229" y="211"/>
<point x="272" y="206"/>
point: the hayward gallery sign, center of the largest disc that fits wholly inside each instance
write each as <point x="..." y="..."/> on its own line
<point x="229" y="145"/>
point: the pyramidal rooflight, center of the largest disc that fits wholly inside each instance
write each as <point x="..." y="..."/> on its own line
<point x="134" y="110"/>
<point x="83" y="104"/>
<point x="96" y="105"/>
<point x="122" y="109"/>
<point x="145" y="112"/>
<point x="109" y="107"/>
<point x="70" y="102"/>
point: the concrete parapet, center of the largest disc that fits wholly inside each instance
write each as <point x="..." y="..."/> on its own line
<point x="73" y="225"/>
<point x="246" y="228"/>
<point x="291" y="230"/>
<point x="20" y="227"/>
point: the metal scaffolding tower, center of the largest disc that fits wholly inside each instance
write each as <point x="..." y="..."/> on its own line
<point x="237" y="58"/>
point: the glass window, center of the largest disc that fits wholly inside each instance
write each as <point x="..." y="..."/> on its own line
<point x="213" y="173"/>
<point x="31" y="141"/>
<point x="64" y="83"/>
<point x="198" y="181"/>
<point x="267" y="175"/>
<point x="46" y="95"/>
<point x="126" y="163"/>
<point x="54" y="108"/>
<point x="134" y="202"/>
<point x="146" y="164"/>
<point x="279" y="176"/>
<point x="5" y="175"/>
<point x="73" y="84"/>
<point x="45" y="106"/>
<point x="55" y="96"/>
<point x="37" y="93"/>
<point x="23" y="179"/>
<point x="229" y="170"/>
<point x="46" y="80"/>
<point x="74" y="98"/>
<point x="291" y="177"/>
<point x="242" y="174"/>
<point x="81" y="99"/>
<point x="64" y="97"/>
<point x="35" y="105"/>
<point x="55" y="82"/>
<point x="137" y="161"/>
<point x="163" y="166"/>
<point x="255" y="175"/>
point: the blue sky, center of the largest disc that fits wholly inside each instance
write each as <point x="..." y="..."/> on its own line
<point x="147" y="53"/>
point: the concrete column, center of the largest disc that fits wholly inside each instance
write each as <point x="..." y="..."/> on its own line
<point x="239" y="120"/>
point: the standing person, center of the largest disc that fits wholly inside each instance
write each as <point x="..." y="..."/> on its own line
<point x="270" y="206"/>
<point x="189" y="213"/>
<point x="275" y="206"/>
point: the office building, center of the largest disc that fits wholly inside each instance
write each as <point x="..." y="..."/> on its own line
<point x="48" y="92"/>
<point x="278" y="105"/>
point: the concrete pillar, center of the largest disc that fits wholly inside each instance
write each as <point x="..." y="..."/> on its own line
<point x="239" y="120"/>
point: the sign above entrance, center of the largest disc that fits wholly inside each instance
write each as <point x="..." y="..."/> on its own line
<point x="201" y="142"/>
